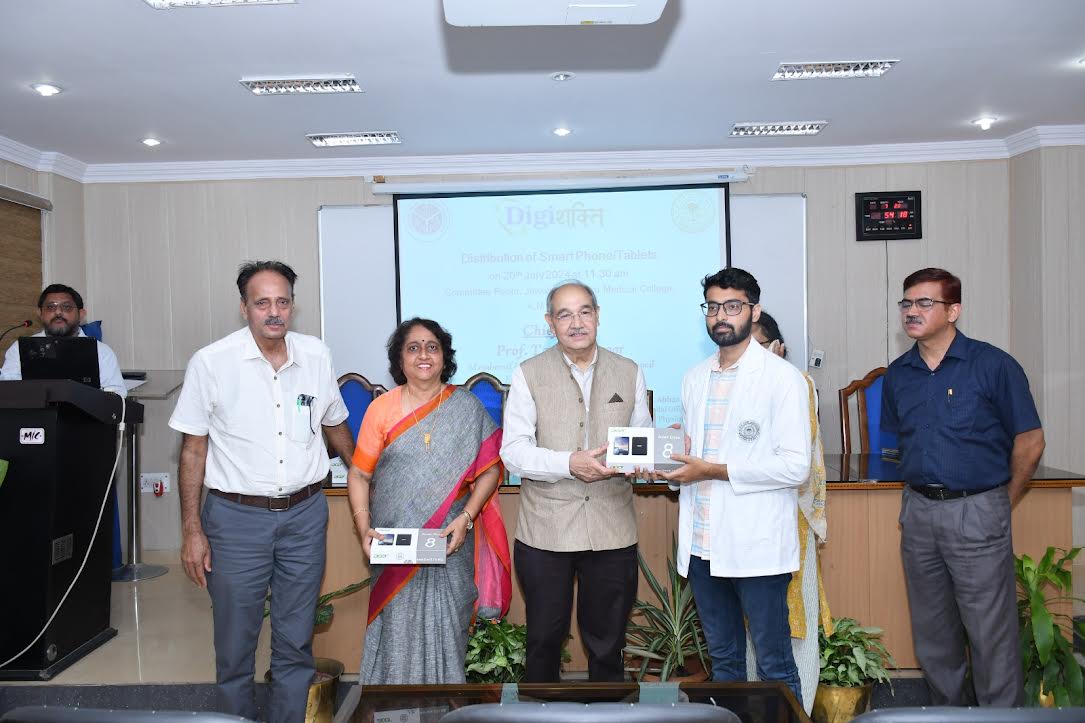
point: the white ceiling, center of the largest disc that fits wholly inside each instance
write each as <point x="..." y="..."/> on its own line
<point x="129" y="71"/>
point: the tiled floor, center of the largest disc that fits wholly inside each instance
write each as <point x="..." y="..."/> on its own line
<point x="164" y="635"/>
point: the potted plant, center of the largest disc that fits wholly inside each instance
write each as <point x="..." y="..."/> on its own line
<point x="496" y="652"/>
<point x="667" y="636"/>
<point x="1052" y="674"/>
<point x="853" y="657"/>
<point x="320" y="707"/>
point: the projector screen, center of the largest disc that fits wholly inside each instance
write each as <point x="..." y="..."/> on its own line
<point x="482" y="264"/>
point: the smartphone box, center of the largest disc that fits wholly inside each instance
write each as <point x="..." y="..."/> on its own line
<point x="408" y="546"/>
<point x="648" y="448"/>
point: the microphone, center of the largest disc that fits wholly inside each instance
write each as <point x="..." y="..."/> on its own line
<point x="26" y="323"/>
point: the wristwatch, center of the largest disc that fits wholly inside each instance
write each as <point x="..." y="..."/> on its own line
<point x="470" y="522"/>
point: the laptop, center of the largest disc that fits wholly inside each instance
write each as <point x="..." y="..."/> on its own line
<point x="60" y="357"/>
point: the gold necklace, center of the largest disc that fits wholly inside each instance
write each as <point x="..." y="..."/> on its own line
<point x="427" y="437"/>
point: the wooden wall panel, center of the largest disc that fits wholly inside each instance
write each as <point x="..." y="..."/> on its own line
<point x="20" y="268"/>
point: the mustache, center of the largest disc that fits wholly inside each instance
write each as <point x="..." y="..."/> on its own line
<point x="273" y="321"/>
<point x="911" y="320"/>
<point x="722" y="325"/>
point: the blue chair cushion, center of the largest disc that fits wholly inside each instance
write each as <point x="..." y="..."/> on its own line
<point x="93" y="329"/>
<point x="490" y="398"/>
<point x="882" y="444"/>
<point x="357" y="398"/>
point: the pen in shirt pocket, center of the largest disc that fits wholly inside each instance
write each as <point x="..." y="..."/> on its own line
<point x="949" y="395"/>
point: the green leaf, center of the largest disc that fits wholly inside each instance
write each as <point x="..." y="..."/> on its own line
<point x="1043" y="627"/>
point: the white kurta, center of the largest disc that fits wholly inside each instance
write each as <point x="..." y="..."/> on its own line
<point x="766" y="447"/>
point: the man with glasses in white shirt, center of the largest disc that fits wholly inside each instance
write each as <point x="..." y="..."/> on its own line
<point x="576" y="518"/>
<point x="61" y="311"/>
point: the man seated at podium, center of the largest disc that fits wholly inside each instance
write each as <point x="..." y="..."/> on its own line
<point x="61" y="311"/>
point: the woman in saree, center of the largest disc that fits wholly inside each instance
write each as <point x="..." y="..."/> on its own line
<point x="427" y="457"/>
<point x="807" y="606"/>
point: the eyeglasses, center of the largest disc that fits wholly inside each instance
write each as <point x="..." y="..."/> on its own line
<point x="52" y="307"/>
<point x="924" y="303"/>
<point x="731" y="307"/>
<point x="584" y="315"/>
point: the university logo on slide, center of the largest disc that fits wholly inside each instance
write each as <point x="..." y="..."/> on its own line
<point x="428" y="220"/>
<point x="693" y="211"/>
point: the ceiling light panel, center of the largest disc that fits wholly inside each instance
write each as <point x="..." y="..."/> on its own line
<point x="302" y="86"/>
<point x="797" y="128"/>
<point x="170" y="4"/>
<point x="841" y="69"/>
<point x="45" y="89"/>
<point x="369" y="138"/>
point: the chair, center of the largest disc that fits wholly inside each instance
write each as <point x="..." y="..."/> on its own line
<point x="947" y="714"/>
<point x="868" y="397"/>
<point x="357" y="393"/>
<point x="591" y="713"/>
<point x="62" y="714"/>
<point x="491" y="391"/>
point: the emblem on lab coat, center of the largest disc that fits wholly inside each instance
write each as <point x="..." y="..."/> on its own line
<point x="749" y="430"/>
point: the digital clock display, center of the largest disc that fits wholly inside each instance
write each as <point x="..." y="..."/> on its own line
<point x="888" y="216"/>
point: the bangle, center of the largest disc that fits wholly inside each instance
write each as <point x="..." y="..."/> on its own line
<point x="470" y="517"/>
<point x="360" y="511"/>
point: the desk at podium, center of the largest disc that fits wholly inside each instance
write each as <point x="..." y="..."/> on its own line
<point x="60" y="440"/>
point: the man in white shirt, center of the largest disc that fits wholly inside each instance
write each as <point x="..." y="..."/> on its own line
<point x="576" y="519"/>
<point x="61" y="311"/>
<point x="254" y="410"/>
<point x="746" y="413"/>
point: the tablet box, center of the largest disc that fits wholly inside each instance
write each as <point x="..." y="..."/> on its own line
<point x="630" y="448"/>
<point x="408" y="546"/>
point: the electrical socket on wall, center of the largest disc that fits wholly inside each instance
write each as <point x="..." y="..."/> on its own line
<point x="817" y="358"/>
<point x="147" y="480"/>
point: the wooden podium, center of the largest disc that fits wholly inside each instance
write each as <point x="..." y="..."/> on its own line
<point x="60" y="439"/>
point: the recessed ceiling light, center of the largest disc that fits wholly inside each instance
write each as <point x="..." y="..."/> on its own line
<point x="361" y="138"/>
<point x="836" y="69"/>
<point x="984" y="123"/>
<point x="170" y="4"/>
<point x="301" y="86"/>
<point x="151" y="142"/>
<point x="561" y="132"/>
<point x="562" y="76"/>
<point x="797" y="128"/>
<point x="46" y="90"/>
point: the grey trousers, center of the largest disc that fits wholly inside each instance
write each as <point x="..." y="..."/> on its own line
<point x="253" y="550"/>
<point x="958" y="566"/>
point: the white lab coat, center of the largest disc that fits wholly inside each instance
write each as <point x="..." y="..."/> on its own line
<point x="766" y="447"/>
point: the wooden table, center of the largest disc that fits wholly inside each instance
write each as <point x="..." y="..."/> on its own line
<point x="864" y="578"/>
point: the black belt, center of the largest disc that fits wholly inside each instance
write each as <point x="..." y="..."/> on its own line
<point x="934" y="492"/>
<point x="275" y="504"/>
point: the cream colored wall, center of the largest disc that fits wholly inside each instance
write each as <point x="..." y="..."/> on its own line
<point x="1047" y="254"/>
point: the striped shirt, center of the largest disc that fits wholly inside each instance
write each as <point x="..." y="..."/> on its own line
<point x="718" y="405"/>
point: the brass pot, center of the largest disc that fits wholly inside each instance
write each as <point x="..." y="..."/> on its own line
<point x="835" y="704"/>
<point x="320" y="707"/>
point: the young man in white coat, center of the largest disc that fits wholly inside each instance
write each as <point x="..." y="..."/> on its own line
<point x="746" y="417"/>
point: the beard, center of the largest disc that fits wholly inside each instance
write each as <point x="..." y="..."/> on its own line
<point x="724" y="334"/>
<point x="53" y="328"/>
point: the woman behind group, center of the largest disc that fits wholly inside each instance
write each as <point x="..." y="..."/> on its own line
<point x="805" y="595"/>
<point x="427" y="457"/>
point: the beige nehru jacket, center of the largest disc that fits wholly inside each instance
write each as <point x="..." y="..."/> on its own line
<point x="570" y="515"/>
